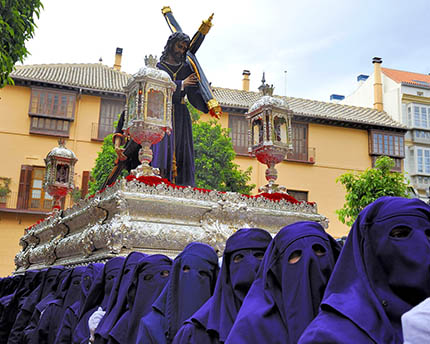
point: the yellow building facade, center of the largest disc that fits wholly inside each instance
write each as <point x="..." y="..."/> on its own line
<point x="80" y="103"/>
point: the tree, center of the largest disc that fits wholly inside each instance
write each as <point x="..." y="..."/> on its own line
<point x="366" y="187"/>
<point x="105" y="162"/>
<point x="214" y="155"/>
<point x="16" y="26"/>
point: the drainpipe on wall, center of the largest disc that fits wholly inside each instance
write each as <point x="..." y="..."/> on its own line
<point x="377" y="86"/>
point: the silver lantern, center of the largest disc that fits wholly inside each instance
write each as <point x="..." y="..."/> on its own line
<point x="149" y="111"/>
<point x="59" y="172"/>
<point x="269" y="134"/>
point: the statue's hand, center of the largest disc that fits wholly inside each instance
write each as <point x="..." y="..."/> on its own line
<point x="190" y="80"/>
<point x="120" y="154"/>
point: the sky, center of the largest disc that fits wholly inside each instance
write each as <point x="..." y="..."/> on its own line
<point x="307" y="48"/>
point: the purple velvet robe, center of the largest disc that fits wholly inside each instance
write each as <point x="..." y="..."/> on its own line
<point x="383" y="271"/>
<point x="182" y="133"/>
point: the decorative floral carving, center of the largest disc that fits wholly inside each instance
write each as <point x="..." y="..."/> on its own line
<point x="161" y="218"/>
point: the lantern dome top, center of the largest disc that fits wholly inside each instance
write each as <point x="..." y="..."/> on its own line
<point x="61" y="151"/>
<point x="267" y="101"/>
<point x="150" y="71"/>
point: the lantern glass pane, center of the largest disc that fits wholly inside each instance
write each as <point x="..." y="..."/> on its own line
<point x="255" y="133"/>
<point x="280" y="129"/>
<point x="155" y="104"/>
<point x="132" y="106"/>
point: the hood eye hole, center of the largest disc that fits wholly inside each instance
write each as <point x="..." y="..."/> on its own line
<point x="186" y="268"/>
<point x="259" y="255"/>
<point x="295" y="257"/>
<point x="164" y="273"/>
<point x="427" y="232"/>
<point x="400" y="232"/>
<point x="319" y="250"/>
<point x="148" y="277"/>
<point x="204" y="273"/>
<point x="237" y="258"/>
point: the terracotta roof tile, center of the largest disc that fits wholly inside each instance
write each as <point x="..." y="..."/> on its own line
<point x="310" y="108"/>
<point x="104" y="78"/>
<point x="401" y="76"/>
<point x="91" y="76"/>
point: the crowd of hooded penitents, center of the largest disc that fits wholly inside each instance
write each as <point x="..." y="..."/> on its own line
<point x="299" y="287"/>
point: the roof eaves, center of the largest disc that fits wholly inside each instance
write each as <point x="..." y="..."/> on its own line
<point x="416" y="85"/>
<point x="68" y="85"/>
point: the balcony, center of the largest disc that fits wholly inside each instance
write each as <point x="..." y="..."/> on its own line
<point x="307" y="157"/>
<point x="8" y="204"/>
<point x="421" y="182"/>
<point x="421" y="136"/>
<point x="100" y="131"/>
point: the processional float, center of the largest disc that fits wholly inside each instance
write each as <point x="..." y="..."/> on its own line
<point x="143" y="212"/>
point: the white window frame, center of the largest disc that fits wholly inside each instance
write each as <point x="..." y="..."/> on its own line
<point x="422" y="156"/>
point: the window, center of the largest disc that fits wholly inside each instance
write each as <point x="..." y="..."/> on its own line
<point x="109" y="111"/>
<point x="386" y="143"/>
<point x="38" y="199"/>
<point x="423" y="160"/>
<point x="421" y="116"/>
<point x="51" y="112"/>
<point x="299" y="195"/>
<point x="239" y="133"/>
<point x="389" y="144"/>
<point x="30" y="193"/>
<point x="300" y="142"/>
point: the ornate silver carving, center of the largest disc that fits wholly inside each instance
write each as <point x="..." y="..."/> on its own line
<point x="161" y="219"/>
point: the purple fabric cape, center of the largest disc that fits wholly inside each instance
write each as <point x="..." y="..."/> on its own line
<point x="98" y="296"/>
<point x="285" y="297"/>
<point x="147" y="285"/>
<point x="378" y="277"/>
<point x="182" y="131"/>
<point x="213" y="321"/>
<point x="191" y="283"/>
<point x="46" y="286"/>
<point x="30" y="281"/>
<point x="66" y="295"/>
<point x="30" y="331"/>
<point x="118" y="297"/>
<point x="71" y="314"/>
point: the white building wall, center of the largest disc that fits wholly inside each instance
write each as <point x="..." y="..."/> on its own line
<point x="414" y="90"/>
<point x="362" y="96"/>
<point x="392" y="98"/>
